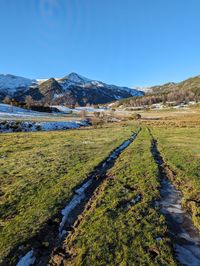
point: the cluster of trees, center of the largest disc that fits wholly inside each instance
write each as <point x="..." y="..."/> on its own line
<point x="177" y="96"/>
<point x="98" y="119"/>
<point x="29" y="103"/>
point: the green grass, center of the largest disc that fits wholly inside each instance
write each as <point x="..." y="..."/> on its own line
<point x="113" y="233"/>
<point x="38" y="172"/>
<point x="180" y="148"/>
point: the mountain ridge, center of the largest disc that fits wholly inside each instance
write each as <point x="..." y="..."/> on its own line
<point x="72" y="89"/>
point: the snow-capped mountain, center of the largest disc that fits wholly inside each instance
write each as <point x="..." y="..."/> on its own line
<point x="10" y="83"/>
<point x="75" y="78"/>
<point x="72" y="89"/>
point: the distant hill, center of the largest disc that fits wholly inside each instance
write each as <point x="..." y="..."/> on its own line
<point x="191" y="84"/>
<point x="182" y="92"/>
<point x="70" y="90"/>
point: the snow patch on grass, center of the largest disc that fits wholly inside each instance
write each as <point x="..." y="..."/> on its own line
<point x="24" y="126"/>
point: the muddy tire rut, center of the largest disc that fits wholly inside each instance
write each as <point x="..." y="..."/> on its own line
<point x="184" y="235"/>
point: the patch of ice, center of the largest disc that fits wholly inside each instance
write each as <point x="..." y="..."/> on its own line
<point x="27" y="260"/>
<point x="174" y="210"/>
<point x="158" y="238"/>
<point x="188" y="255"/>
<point x="136" y="199"/>
<point x="104" y="164"/>
<point x="66" y="211"/>
<point x="80" y="192"/>
<point x="76" y="200"/>
<point x="84" y="187"/>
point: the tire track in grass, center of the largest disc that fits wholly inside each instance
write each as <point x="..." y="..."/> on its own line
<point x="119" y="225"/>
<point x="185" y="236"/>
<point x="71" y="214"/>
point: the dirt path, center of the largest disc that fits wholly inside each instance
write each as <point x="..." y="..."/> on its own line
<point x="71" y="215"/>
<point x="185" y="236"/>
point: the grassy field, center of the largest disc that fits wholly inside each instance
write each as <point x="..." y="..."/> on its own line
<point x="118" y="231"/>
<point x="38" y="172"/>
<point x="122" y="227"/>
<point x="175" y="118"/>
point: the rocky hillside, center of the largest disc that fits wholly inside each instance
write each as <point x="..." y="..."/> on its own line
<point x="177" y="93"/>
<point x="70" y="90"/>
<point x="191" y="84"/>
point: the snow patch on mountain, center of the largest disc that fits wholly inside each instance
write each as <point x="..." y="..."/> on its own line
<point x="74" y="79"/>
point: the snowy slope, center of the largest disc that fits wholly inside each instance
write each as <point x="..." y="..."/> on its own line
<point x="7" y="108"/>
<point x="76" y="78"/>
<point x="12" y="83"/>
<point x="81" y="81"/>
<point x="62" y="109"/>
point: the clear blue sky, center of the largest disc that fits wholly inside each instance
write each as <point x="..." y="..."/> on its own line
<point x="124" y="42"/>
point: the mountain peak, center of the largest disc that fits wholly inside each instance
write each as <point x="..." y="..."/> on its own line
<point x="74" y="77"/>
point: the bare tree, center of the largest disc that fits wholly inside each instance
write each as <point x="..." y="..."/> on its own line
<point x="29" y="101"/>
<point x="7" y="100"/>
<point x="83" y="114"/>
<point x="95" y="121"/>
<point x="97" y="114"/>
